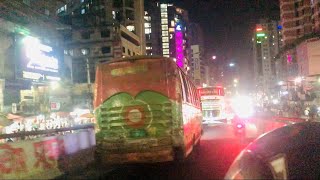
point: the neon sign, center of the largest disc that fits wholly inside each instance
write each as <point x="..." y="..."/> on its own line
<point x="289" y="58"/>
<point x="179" y="46"/>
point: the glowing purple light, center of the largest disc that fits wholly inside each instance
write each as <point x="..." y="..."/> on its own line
<point x="179" y="48"/>
<point x="289" y="58"/>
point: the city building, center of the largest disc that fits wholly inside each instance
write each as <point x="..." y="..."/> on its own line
<point x="101" y="30"/>
<point x="300" y="26"/>
<point x="295" y="19"/>
<point x="166" y="28"/>
<point x="198" y="71"/>
<point x="266" y="44"/>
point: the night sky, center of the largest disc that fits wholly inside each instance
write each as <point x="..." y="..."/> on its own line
<point x="228" y="25"/>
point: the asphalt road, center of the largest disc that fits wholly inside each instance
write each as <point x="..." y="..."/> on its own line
<point x="219" y="147"/>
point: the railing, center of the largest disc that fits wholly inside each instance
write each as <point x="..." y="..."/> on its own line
<point x="50" y="132"/>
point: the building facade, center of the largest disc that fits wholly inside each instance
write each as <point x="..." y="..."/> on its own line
<point x="300" y="26"/>
<point x="101" y="31"/>
<point x="166" y="28"/>
<point x="198" y="70"/>
<point x="266" y="45"/>
<point x="295" y="19"/>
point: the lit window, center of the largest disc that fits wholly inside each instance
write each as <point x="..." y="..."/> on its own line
<point x="165" y="33"/>
<point x="164" y="27"/>
<point x="164" y="15"/>
<point x="172" y="23"/>
<point x="166" y="51"/>
<point x="131" y="28"/>
<point x="163" y="5"/>
<point x="148" y="31"/>
<point x="165" y="39"/>
<point x="165" y="46"/>
<point x="83" y="11"/>
<point x="147" y="25"/>
<point x="164" y="10"/>
<point x="113" y="14"/>
<point x="147" y="18"/>
<point x="164" y="21"/>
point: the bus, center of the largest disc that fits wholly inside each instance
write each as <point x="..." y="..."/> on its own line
<point x="147" y="111"/>
<point x="213" y="104"/>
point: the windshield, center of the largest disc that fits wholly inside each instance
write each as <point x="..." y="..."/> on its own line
<point x="152" y="89"/>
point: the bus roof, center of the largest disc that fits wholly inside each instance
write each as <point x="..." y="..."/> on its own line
<point x="135" y="58"/>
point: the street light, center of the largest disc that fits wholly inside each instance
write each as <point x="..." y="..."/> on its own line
<point x="85" y="52"/>
<point x="298" y="80"/>
<point x="231" y="64"/>
<point x="235" y="81"/>
<point x="280" y="83"/>
<point x="214" y="57"/>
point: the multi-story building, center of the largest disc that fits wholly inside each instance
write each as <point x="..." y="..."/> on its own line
<point x="197" y="62"/>
<point x="101" y="30"/>
<point x="300" y="26"/>
<point x="266" y="45"/>
<point x="166" y="28"/>
<point x="295" y="19"/>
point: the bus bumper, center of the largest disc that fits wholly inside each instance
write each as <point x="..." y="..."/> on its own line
<point x="214" y="121"/>
<point x="138" y="157"/>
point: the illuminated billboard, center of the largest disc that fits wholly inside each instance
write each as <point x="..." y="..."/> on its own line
<point x="36" y="61"/>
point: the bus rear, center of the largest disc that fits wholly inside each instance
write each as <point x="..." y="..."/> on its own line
<point x="136" y="105"/>
<point x="213" y="105"/>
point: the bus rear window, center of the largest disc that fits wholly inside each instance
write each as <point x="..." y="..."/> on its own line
<point x="129" y="70"/>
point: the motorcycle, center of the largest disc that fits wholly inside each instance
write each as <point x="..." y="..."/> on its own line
<point x="239" y="127"/>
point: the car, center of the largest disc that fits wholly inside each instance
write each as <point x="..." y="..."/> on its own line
<point x="290" y="152"/>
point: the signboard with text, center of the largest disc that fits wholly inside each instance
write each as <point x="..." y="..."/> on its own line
<point x="211" y="91"/>
<point x="36" y="61"/>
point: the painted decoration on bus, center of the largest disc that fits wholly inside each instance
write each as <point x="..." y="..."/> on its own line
<point x="135" y="110"/>
<point x="147" y="114"/>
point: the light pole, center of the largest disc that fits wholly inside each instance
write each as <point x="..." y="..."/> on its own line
<point x="86" y="52"/>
